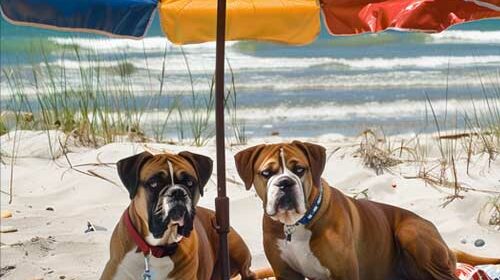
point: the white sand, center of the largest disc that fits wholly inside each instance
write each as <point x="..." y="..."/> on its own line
<point x="50" y="244"/>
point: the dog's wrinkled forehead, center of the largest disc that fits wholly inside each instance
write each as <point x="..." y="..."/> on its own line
<point x="277" y="154"/>
<point x="254" y="160"/>
<point x="160" y="163"/>
<point x="137" y="169"/>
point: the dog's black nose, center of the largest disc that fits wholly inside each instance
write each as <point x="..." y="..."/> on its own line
<point x="285" y="183"/>
<point x="178" y="195"/>
<point x="177" y="213"/>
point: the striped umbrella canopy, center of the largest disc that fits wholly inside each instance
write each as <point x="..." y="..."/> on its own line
<point x="295" y="22"/>
<point x="287" y="21"/>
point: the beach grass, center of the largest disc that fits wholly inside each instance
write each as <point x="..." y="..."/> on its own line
<point x="436" y="154"/>
<point x="99" y="104"/>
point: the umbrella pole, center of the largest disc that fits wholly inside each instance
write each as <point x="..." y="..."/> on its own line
<point x="222" y="201"/>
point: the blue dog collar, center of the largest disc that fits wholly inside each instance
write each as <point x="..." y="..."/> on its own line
<point x="307" y="218"/>
<point x="313" y="210"/>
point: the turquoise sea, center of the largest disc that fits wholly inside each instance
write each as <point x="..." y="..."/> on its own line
<point x="337" y="85"/>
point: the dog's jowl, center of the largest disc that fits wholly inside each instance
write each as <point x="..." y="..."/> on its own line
<point x="163" y="234"/>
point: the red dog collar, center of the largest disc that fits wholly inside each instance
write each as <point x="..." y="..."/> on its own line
<point x="143" y="246"/>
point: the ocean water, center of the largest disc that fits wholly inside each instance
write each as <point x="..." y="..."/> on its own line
<point x="337" y="85"/>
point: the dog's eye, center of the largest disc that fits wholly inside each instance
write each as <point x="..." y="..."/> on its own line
<point x="154" y="182"/>
<point x="187" y="180"/>
<point x="299" y="170"/>
<point x="266" y="174"/>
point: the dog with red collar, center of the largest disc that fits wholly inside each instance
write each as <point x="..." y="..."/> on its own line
<point x="163" y="234"/>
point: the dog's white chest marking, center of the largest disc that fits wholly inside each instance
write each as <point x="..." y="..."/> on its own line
<point x="132" y="267"/>
<point x="298" y="255"/>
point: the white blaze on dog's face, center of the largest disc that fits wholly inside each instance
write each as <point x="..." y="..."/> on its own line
<point x="285" y="192"/>
<point x="284" y="176"/>
<point x="165" y="190"/>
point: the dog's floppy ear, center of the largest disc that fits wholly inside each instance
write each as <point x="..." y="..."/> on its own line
<point x="129" y="170"/>
<point x="203" y="166"/>
<point x="316" y="155"/>
<point x="244" y="163"/>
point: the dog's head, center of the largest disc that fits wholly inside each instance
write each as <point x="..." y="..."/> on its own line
<point x="164" y="190"/>
<point x="284" y="176"/>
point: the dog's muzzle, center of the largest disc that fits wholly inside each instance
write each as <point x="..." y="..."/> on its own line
<point x="284" y="194"/>
<point x="287" y="199"/>
<point x="173" y="209"/>
<point x="177" y="204"/>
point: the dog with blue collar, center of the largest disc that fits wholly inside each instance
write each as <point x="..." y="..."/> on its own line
<point x="312" y="230"/>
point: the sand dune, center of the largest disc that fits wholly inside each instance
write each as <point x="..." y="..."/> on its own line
<point x="52" y="202"/>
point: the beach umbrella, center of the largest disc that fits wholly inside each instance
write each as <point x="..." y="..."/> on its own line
<point x="295" y="22"/>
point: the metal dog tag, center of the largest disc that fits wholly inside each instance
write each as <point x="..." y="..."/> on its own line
<point x="147" y="275"/>
<point x="289" y="230"/>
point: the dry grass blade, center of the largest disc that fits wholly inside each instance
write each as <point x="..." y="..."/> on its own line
<point x="332" y="153"/>
<point x="12" y="162"/>
<point x="440" y="181"/>
<point x="93" y="173"/>
<point x="374" y="154"/>
<point x="88" y="172"/>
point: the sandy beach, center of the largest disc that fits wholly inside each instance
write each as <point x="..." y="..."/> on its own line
<point x="404" y="96"/>
<point x="53" y="199"/>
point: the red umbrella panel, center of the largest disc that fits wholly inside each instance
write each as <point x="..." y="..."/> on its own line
<point x="346" y="17"/>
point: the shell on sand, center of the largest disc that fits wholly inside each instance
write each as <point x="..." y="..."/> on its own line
<point x="7" y="229"/>
<point x="5" y="214"/>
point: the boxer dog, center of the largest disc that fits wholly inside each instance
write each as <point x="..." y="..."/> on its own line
<point x="312" y="230"/>
<point x="163" y="234"/>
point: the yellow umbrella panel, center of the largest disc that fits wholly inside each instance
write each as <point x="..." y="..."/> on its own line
<point x="295" y="22"/>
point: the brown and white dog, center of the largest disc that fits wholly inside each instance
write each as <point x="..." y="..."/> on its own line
<point x="312" y="230"/>
<point x="162" y="219"/>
